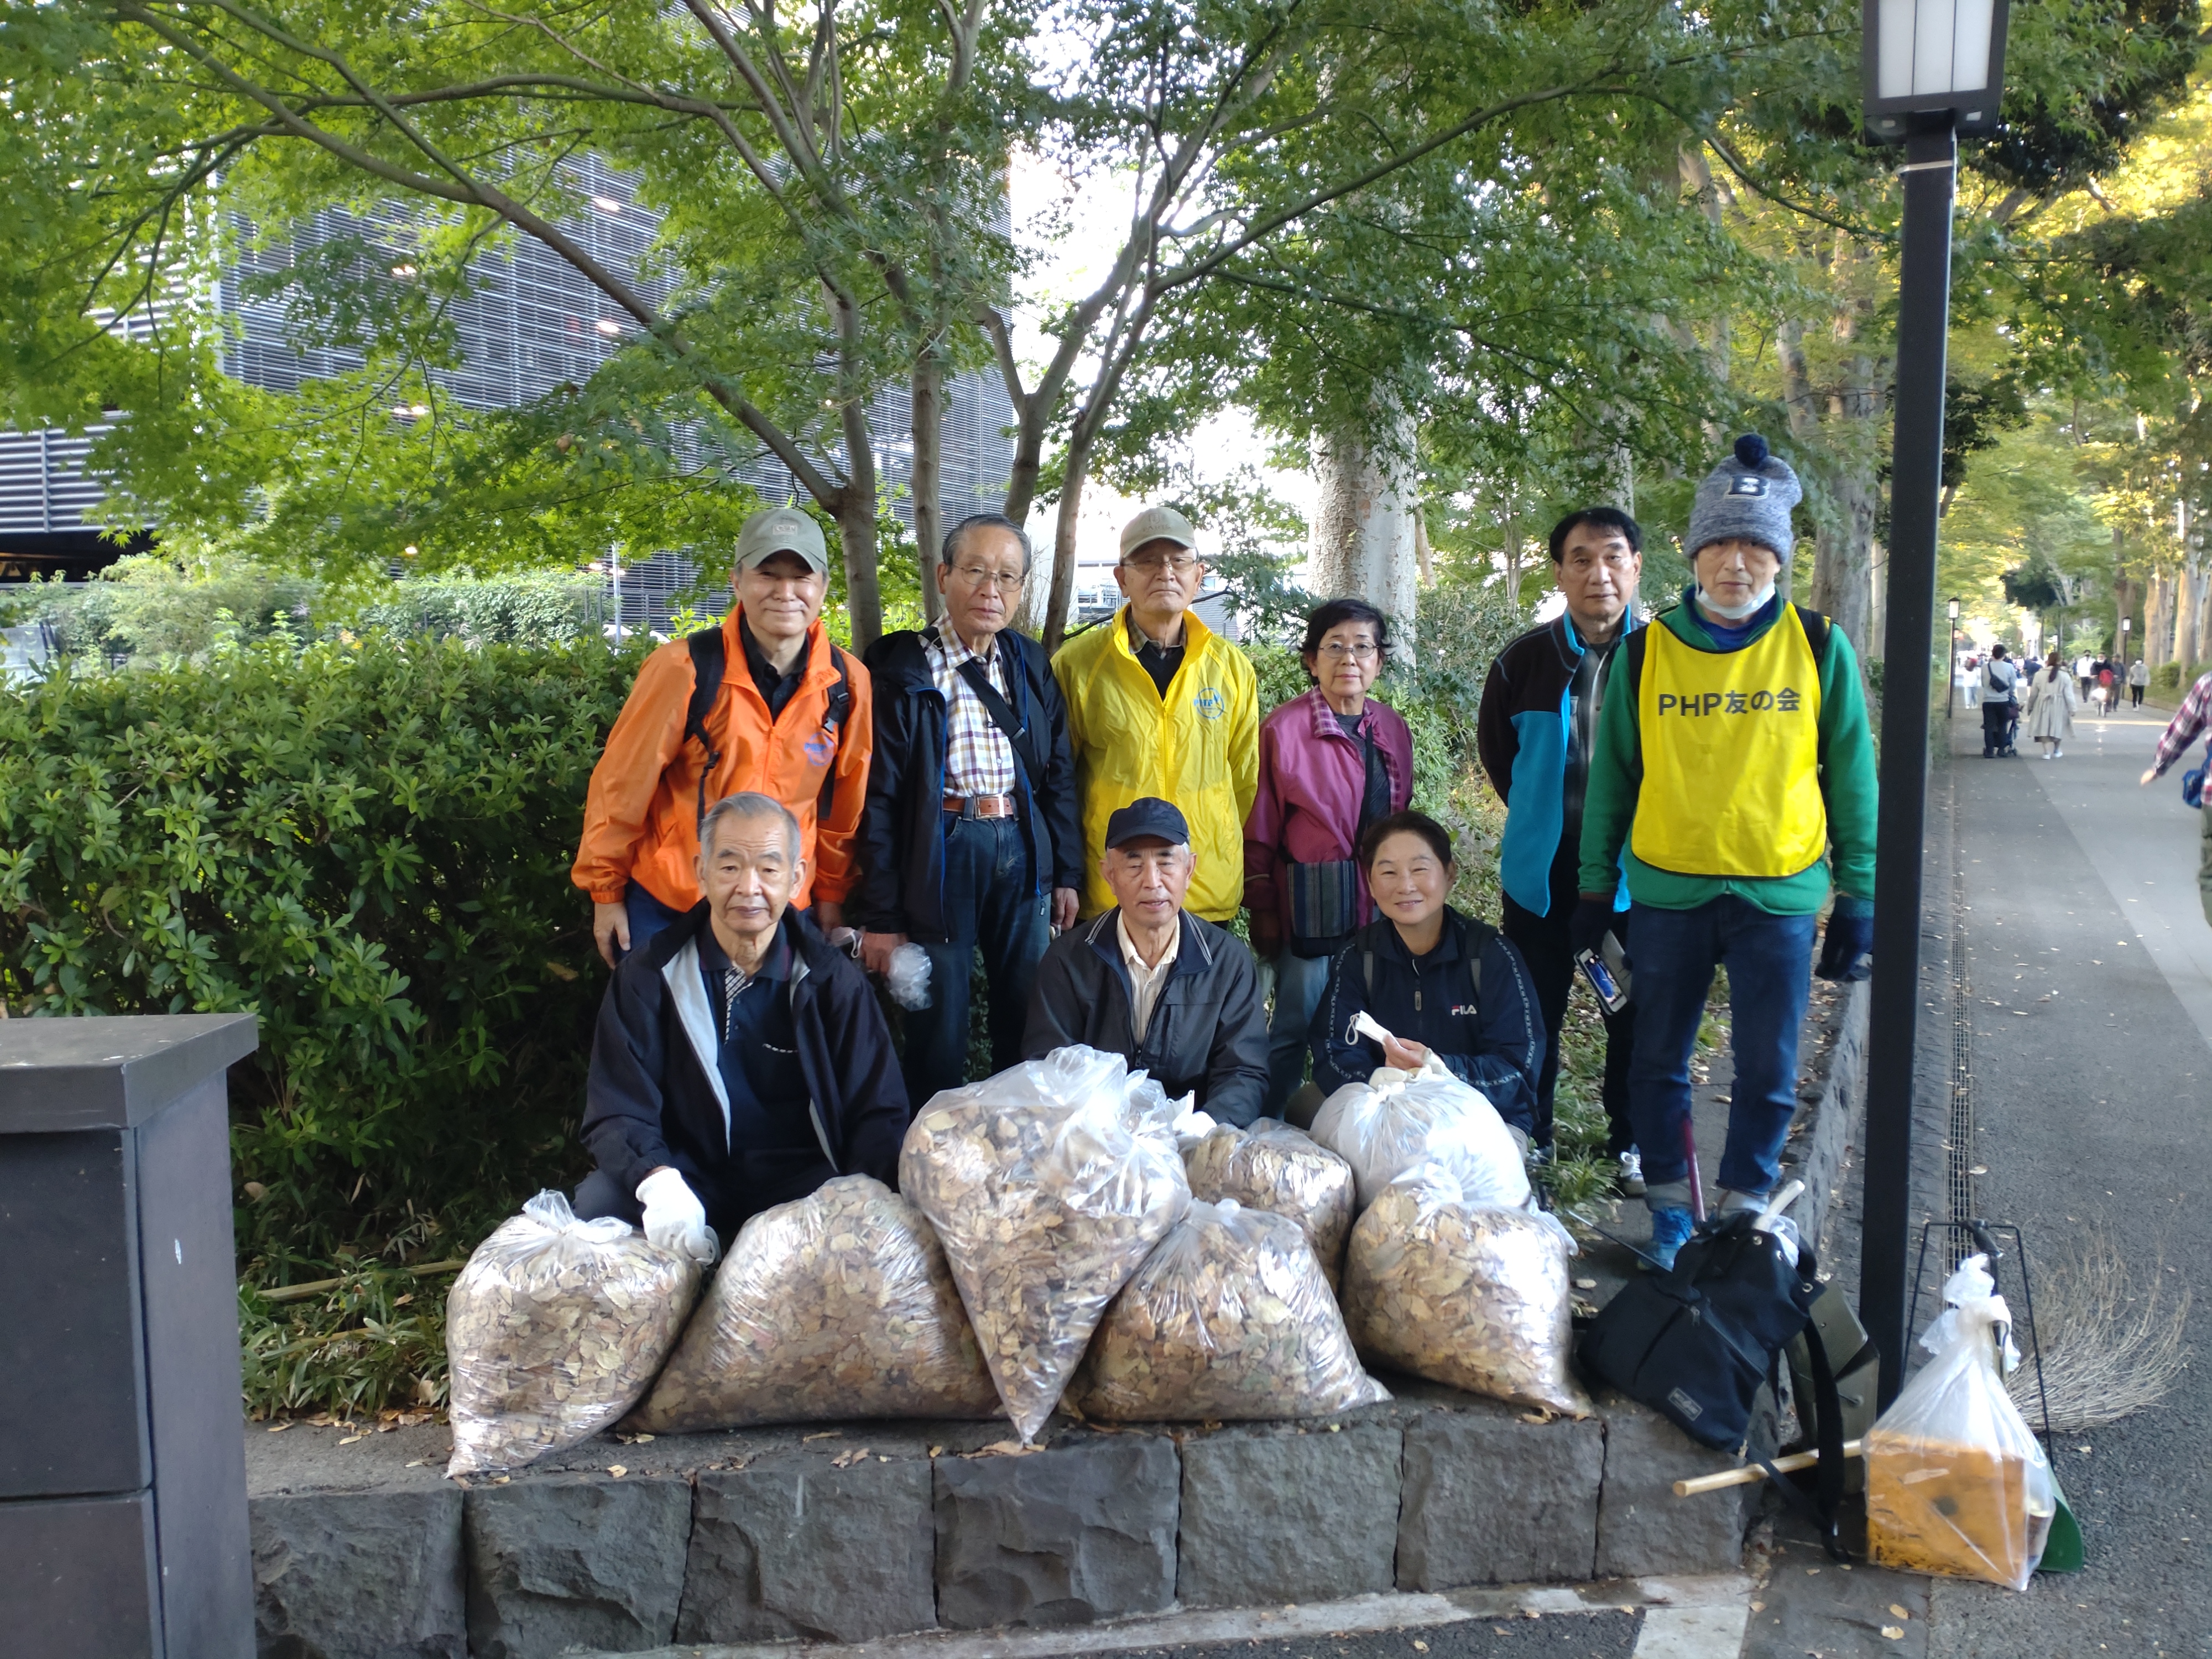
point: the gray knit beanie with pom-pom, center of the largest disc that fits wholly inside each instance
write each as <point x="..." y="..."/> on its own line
<point x="1748" y="494"/>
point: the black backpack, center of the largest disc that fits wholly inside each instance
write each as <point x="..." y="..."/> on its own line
<point x="709" y="660"/>
<point x="1694" y="1344"/>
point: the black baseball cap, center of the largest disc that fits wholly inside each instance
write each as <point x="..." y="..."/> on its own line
<point x="1148" y="815"/>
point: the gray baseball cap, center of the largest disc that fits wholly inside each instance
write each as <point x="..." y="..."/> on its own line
<point x="782" y="529"/>
<point x="1157" y="524"/>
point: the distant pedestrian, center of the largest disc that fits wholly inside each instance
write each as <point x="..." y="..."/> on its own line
<point x="2085" y="671"/>
<point x="2000" y="686"/>
<point x="2051" y="705"/>
<point x="2108" y="685"/>
<point x="2138" y="677"/>
<point x="1970" y="681"/>
<point x="2194" y="715"/>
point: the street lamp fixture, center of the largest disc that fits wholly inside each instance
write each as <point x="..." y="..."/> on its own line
<point x="1933" y="69"/>
<point x="1932" y="58"/>
<point x="1950" y="707"/>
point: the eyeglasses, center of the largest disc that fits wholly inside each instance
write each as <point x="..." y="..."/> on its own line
<point x="1182" y="563"/>
<point x="1337" y="651"/>
<point x="975" y="576"/>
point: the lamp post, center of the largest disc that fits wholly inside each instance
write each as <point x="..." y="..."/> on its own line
<point x="1950" y="707"/>
<point x="2126" y="627"/>
<point x="1931" y="70"/>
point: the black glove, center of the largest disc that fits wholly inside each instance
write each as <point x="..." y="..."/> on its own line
<point x="1593" y="920"/>
<point x="1846" y="952"/>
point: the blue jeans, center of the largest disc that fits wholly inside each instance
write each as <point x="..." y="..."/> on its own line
<point x="991" y="905"/>
<point x="1672" y="955"/>
<point x="648" y="916"/>
<point x="1299" y="982"/>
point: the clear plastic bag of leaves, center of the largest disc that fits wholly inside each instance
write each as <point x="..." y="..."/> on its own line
<point x="553" y="1331"/>
<point x="1275" y="1167"/>
<point x="1229" y="1318"/>
<point x="1474" y="1295"/>
<point x="1397" y="1120"/>
<point x="835" y="1305"/>
<point x="1047" y="1185"/>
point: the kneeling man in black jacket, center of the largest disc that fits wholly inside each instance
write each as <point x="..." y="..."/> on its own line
<point x="740" y="1060"/>
<point x="1174" y="995"/>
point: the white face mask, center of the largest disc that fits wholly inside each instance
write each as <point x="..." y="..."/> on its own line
<point x="1750" y="607"/>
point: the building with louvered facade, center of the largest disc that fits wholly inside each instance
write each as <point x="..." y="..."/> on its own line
<point x="530" y="324"/>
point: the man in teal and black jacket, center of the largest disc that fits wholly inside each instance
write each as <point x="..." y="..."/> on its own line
<point x="1733" y="769"/>
<point x="1538" y="715"/>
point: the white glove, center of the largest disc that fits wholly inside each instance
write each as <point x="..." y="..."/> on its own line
<point x="675" y="1219"/>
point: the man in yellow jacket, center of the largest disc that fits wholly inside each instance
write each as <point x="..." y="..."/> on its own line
<point x="1158" y="704"/>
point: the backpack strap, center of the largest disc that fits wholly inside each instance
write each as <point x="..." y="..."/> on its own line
<point x="1478" y="935"/>
<point x="710" y="658"/>
<point x="710" y="661"/>
<point x="1828" y="1434"/>
<point x="833" y="722"/>
<point x="1816" y="627"/>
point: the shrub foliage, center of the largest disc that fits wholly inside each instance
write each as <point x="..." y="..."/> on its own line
<point x="366" y="846"/>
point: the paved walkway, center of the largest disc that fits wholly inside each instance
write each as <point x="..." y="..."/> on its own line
<point x="2066" y="1026"/>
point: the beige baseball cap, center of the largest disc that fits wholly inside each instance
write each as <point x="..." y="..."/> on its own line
<point x="1157" y="524"/>
<point x="782" y="529"/>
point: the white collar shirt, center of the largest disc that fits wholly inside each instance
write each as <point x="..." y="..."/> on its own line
<point x="1144" y="982"/>
<point x="978" y="759"/>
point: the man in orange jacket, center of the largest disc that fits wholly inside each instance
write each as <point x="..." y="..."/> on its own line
<point x="765" y="703"/>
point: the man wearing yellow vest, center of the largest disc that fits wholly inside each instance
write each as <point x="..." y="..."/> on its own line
<point x="1732" y="756"/>
<point x="1157" y="705"/>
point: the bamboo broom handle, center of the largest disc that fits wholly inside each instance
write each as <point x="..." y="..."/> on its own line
<point x="1751" y="1471"/>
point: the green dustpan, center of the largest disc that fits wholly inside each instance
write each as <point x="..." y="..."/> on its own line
<point x="2062" y="1551"/>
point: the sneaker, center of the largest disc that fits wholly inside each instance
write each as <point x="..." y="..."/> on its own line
<point x="1630" y="1178"/>
<point x="1539" y="1158"/>
<point x="1670" y="1230"/>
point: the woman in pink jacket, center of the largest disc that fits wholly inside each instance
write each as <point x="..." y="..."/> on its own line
<point x="1332" y="762"/>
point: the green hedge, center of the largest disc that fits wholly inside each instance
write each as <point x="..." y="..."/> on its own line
<point x="366" y="846"/>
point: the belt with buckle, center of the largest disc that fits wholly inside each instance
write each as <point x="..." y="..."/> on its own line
<point x="981" y="806"/>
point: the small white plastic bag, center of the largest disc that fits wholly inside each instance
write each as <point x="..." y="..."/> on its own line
<point x="1956" y="1484"/>
<point x="1384" y="1127"/>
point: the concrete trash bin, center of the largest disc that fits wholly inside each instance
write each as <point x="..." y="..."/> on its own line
<point x="123" y="1523"/>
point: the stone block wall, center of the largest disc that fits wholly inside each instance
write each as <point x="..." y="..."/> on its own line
<point x="847" y="1533"/>
<point x="872" y="1530"/>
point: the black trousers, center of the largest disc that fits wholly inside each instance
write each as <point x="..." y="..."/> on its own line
<point x="1543" y="943"/>
<point x="1997" y="727"/>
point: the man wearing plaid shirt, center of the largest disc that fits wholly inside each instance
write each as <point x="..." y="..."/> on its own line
<point x="2189" y="721"/>
<point x="970" y="839"/>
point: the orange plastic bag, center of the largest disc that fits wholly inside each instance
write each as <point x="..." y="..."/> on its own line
<point x="1956" y="1484"/>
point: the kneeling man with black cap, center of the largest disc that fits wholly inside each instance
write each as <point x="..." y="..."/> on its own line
<point x="1173" y="994"/>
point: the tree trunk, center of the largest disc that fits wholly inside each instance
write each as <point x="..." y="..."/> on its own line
<point x="1425" y="556"/>
<point x="1363" y="544"/>
<point x="856" y="531"/>
<point x="856" y="501"/>
<point x="1842" y="565"/>
<point x="1063" y="548"/>
<point x="928" y="436"/>
<point x="2154" y="635"/>
<point x="2185" y="617"/>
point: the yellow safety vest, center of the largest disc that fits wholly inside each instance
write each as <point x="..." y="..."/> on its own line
<point x="1731" y="754"/>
